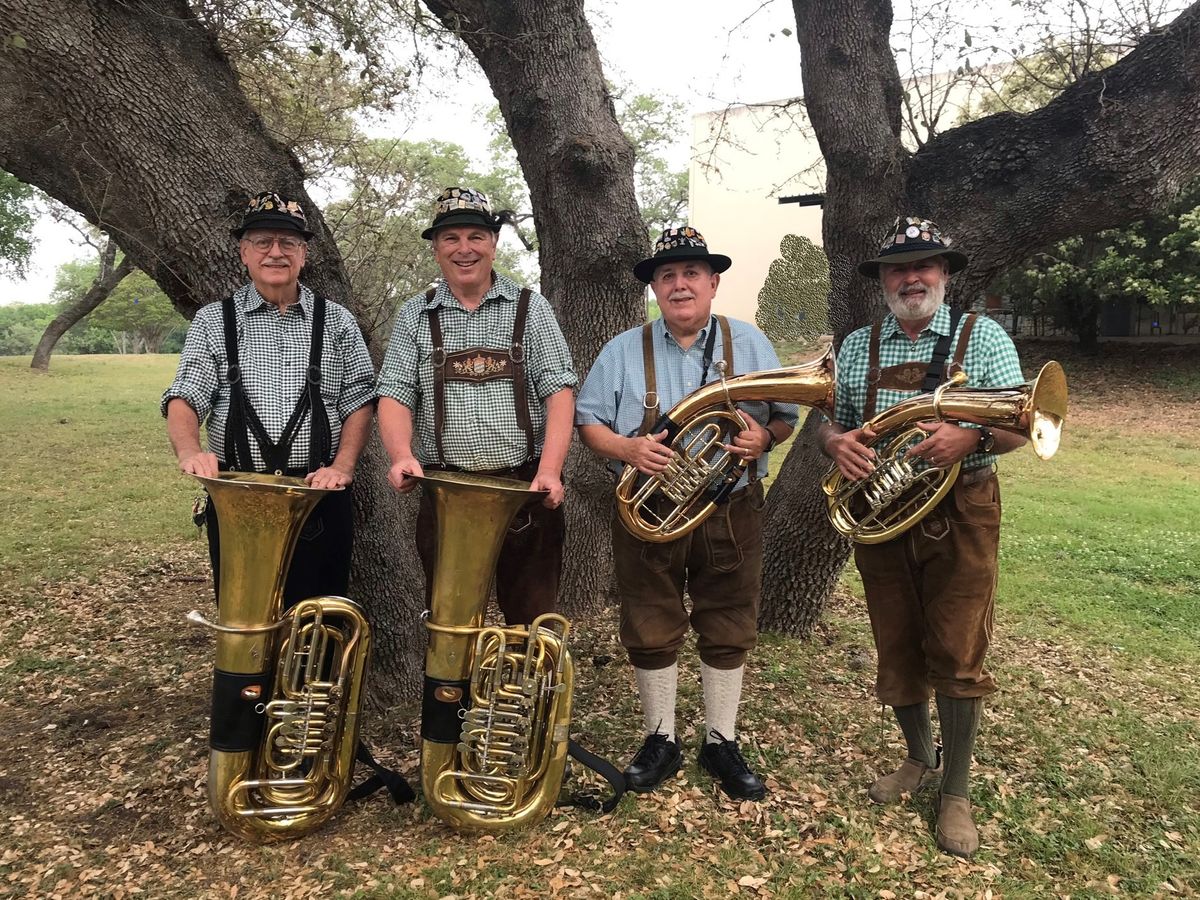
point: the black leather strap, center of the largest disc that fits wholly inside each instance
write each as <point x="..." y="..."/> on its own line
<point x="387" y="778"/>
<point x="936" y="372"/>
<point x="606" y="770"/>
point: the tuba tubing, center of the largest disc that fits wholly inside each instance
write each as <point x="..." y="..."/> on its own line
<point x="287" y="688"/>
<point x="702" y="475"/>
<point x="497" y="701"/>
<point x="1036" y="410"/>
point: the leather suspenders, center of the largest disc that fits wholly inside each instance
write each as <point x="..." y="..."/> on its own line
<point x="478" y="364"/>
<point x="243" y="418"/>
<point x="912" y="376"/>
<point x="651" y="411"/>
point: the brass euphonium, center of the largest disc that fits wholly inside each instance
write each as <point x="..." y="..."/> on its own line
<point x="287" y="688"/>
<point x="702" y="473"/>
<point x="901" y="492"/>
<point x="497" y="701"/>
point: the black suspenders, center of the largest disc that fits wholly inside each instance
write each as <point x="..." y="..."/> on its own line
<point x="242" y="416"/>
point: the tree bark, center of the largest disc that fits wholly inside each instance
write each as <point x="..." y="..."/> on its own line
<point x="130" y="114"/>
<point x="542" y="63"/>
<point x="1104" y="153"/>
<point x="107" y="279"/>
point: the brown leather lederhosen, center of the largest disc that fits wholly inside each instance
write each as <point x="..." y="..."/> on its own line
<point x="907" y="376"/>
<point x="478" y="364"/>
<point x="652" y="412"/>
<point x="720" y="562"/>
<point x="528" y="570"/>
<point x="931" y="591"/>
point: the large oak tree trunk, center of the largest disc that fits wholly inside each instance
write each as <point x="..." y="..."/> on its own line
<point x="106" y="280"/>
<point x="130" y="114"/>
<point x="1104" y="153"/>
<point x="542" y="63"/>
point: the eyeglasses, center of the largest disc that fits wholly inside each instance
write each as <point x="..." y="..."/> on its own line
<point x="262" y="243"/>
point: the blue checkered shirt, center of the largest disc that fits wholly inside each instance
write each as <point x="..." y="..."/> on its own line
<point x="481" y="429"/>
<point x="273" y="352"/>
<point x="614" y="390"/>
<point x="990" y="361"/>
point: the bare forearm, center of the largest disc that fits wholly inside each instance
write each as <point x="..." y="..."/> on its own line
<point x="560" y="411"/>
<point x="603" y="441"/>
<point x="183" y="429"/>
<point x="395" y="428"/>
<point x="355" y="431"/>
<point x="1006" y="441"/>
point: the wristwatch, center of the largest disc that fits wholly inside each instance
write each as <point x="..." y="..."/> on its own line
<point x="987" y="440"/>
<point x="771" y="441"/>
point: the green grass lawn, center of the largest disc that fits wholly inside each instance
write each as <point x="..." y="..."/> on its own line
<point x="1088" y="775"/>
<point x="90" y="472"/>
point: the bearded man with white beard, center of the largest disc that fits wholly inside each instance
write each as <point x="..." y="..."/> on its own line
<point x="930" y="590"/>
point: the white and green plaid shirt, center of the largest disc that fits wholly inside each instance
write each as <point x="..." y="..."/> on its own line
<point x="273" y="352"/>
<point x="990" y="361"/>
<point x="481" y="428"/>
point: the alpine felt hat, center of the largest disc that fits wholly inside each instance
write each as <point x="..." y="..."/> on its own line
<point x="462" y="206"/>
<point x="268" y="209"/>
<point x="910" y="239"/>
<point x="677" y="245"/>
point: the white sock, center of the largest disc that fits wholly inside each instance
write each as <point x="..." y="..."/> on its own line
<point x="656" y="689"/>
<point x="722" y="692"/>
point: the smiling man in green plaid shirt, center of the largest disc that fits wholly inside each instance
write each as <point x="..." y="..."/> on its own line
<point x="478" y="378"/>
<point x="930" y="590"/>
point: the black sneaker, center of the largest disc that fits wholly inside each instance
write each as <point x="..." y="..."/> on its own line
<point x="723" y="760"/>
<point x="657" y="761"/>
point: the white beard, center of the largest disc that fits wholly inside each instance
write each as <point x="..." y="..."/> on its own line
<point x="908" y="310"/>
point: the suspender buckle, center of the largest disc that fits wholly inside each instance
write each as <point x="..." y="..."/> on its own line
<point x="314" y="375"/>
<point x="233" y="374"/>
<point x="517" y="352"/>
<point x="438" y="357"/>
<point x="650" y="401"/>
<point x="874" y="374"/>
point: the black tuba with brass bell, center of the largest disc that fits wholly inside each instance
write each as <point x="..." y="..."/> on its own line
<point x="497" y="701"/>
<point x="287" y="687"/>
<point x="901" y="492"/>
<point x="702" y="473"/>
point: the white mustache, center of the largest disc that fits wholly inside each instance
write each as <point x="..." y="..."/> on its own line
<point x="682" y="295"/>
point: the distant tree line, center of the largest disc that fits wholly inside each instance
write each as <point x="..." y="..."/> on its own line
<point x="137" y="317"/>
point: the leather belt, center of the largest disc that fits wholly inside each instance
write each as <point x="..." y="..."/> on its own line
<point x="976" y="475"/>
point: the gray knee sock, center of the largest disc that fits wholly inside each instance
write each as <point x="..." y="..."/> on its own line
<point x="960" y="724"/>
<point x="918" y="732"/>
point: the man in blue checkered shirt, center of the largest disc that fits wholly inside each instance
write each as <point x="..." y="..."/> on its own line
<point x="720" y="562"/>
<point x="267" y="414"/>
<point x="478" y="378"/>
<point x="930" y="590"/>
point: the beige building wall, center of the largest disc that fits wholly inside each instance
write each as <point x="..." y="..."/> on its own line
<point x="743" y="159"/>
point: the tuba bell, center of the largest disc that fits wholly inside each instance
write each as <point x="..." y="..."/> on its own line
<point x="901" y="492"/>
<point x="497" y="701"/>
<point x="287" y="689"/>
<point x="702" y="473"/>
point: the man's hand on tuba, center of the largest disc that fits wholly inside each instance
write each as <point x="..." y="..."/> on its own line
<point x="849" y="451"/>
<point x="947" y="443"/>
<point x="649" y="455"/>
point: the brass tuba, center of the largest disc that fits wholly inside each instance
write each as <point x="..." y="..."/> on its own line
<point x="287" y="689"/>
<point x="901" y="492"/>
<point x="702" y="473"/>
<point x="497" y="701"/>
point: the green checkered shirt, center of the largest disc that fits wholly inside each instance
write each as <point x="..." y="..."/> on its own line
<point x="273" y="350"/>
<point x="481" y="429"/>
<point x="990" y="361"/>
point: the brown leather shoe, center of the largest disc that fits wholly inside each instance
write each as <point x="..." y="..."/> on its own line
<point x="956" y="832"/>
<point x="911" y="778"/>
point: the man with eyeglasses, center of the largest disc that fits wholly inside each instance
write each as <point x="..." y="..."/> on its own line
<point x="283" y="382"/>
